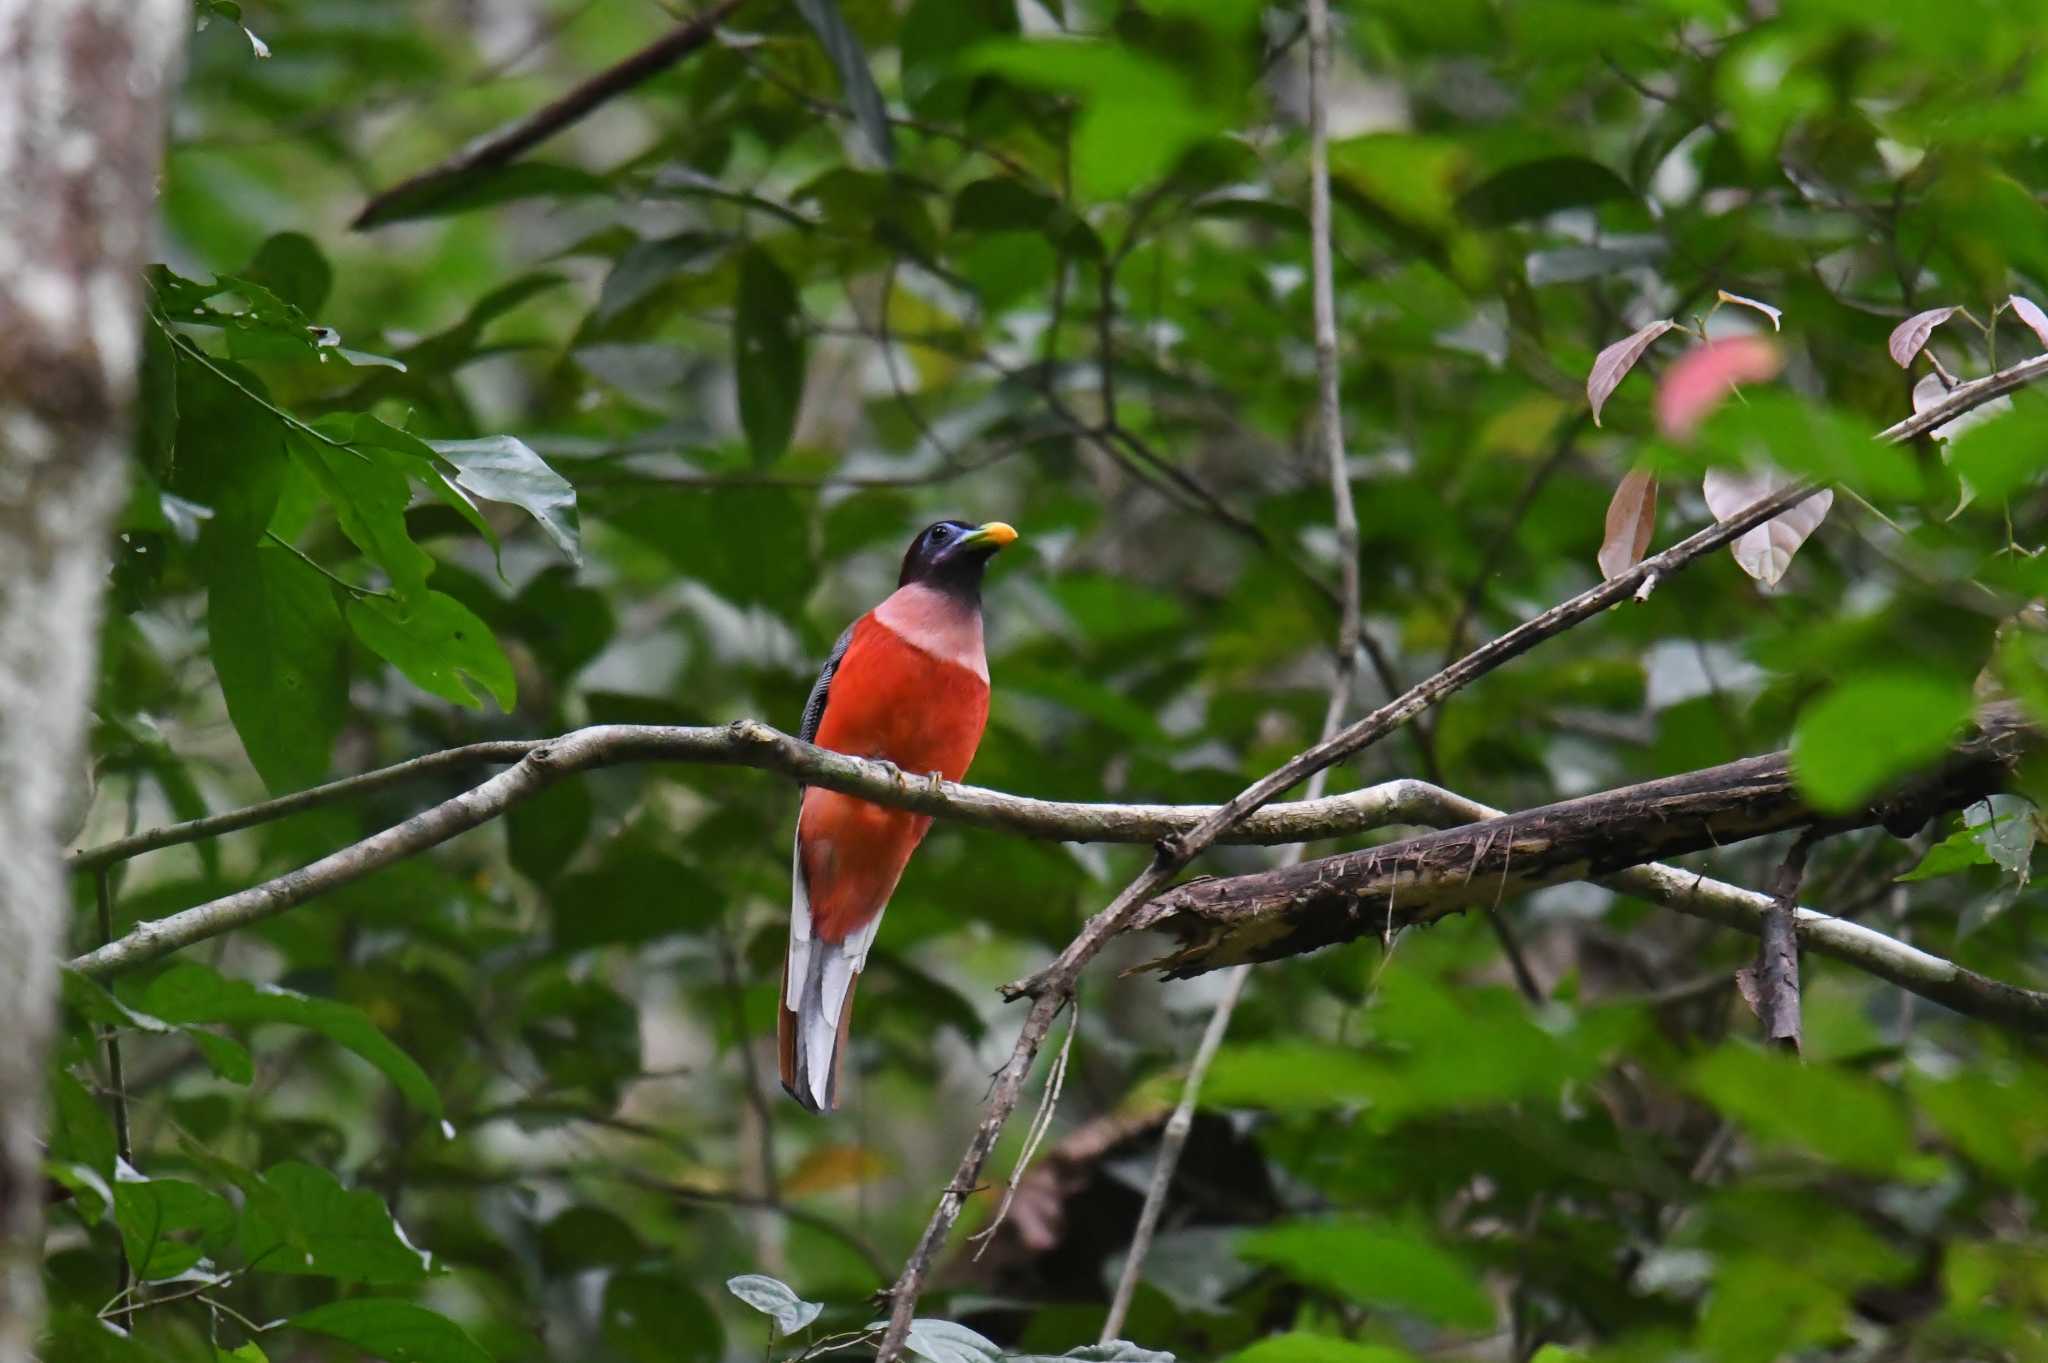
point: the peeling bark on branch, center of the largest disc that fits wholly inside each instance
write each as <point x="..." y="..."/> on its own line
<point x="1603" y="837"/>
<point x="81" y="106"/>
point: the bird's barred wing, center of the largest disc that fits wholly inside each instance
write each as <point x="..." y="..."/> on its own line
<point x="821" y="690"/>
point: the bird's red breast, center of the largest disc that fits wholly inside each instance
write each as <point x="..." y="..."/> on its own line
<point x="907" y="691"/>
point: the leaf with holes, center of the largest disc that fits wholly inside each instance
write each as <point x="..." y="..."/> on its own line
<point x="1766" y="551"/>
<point x="2005" y="827"/>
<point x="1631" y="520"/>
<point x="1765" y="308"/>
<point x="1704" y="375"/>
<point x="440" y="645"/>
<point x="1909" y="337"/>
<point x="1611" y="365"/>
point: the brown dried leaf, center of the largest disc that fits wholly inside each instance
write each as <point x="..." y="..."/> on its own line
<point x="1910" y="336"/>
<point x="2028" y="311"/>
<point x="1765" y="308"/>
<point x="1611" y="365"/>
<point x="1766" y="551"/>
<point x="1631" y="519"/>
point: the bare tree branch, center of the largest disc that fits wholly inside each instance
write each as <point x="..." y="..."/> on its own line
<point x="515" y="139"/>
<point x="1280" y="913"/>
<point x="1777" y="967"/>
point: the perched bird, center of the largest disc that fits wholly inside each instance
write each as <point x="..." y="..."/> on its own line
<point x="906" y="683"/>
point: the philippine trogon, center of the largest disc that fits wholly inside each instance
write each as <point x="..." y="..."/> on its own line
<point x="906" y="683"/>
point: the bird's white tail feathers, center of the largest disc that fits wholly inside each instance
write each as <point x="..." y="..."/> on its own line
<point x="818" y="979"/>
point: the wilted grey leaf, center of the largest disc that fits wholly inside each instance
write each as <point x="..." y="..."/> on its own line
<point x="1631" y="520"/>
<point x="1611" y="365"/>
<point x="774" y="1298"/>
<point x="499" y="468"/>
<point x="1910" y="336"/>
<point x="1765" y="308"/>
<point x="2028" y="311"/>
<point x="944" y="1341"/>
<point x="1765" y="552"/>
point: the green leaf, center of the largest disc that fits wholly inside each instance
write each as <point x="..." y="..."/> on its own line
<point x="776" y="1298"/>
<point x="1377" y="1263"/>
<point x="654" y="1319"/>
<point x="189" y="992"/>
<point x="945" y="1341"/>
<point x="499" y="468"/>
<point x="1841" y="1116"/>
<point x="767" y="355"/>
<point x="1871" y="730"/>
<point x="369" y="492"/>
<point x="440" y="646"/>
<point x="81" y="1132"/>
<point x="291" y="266"/>
<point x="747" y="544"/>
<point x="168" y="1225"/>
<point x="278" y="648"/>
<point x="2006" y="828"/>
<point x="855" y="79"/>
<point x="319" y="1228"/>
<point x="1139" y="114"/>
<point x="230" y="453"/>
<point x="395" y="1331"/>
<point x="1997" y="458"/>
<point x="1957" y="852"/>
<point x="1300" y="1347"/>
<point x="544" y="833"/>
<point x="1536" y="189"/>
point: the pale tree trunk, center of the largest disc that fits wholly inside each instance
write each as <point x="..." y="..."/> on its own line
<point x="83" y="85"/>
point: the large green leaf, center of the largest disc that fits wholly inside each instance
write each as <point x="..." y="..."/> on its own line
<point x="654" y="1319"/>
<point x="278" y="648"/>
<point x="168" y="1225"/>
<point x="316" y="1227"/>
<point x="440" y="646"/>
<point x="856" y="81"/>
<point x="1873" y="729"/>
<point x="1377" y="1263"/>
<point x="190" y="992"/>
<point x="1849" y="1119"/>
<point x="767" y="355"/>
<point x="395" y="1331"/>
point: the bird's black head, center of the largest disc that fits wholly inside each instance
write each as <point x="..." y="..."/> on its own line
<point x="950" y="555"/>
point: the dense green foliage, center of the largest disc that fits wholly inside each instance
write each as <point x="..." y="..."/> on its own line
<point x="630" y="429"/>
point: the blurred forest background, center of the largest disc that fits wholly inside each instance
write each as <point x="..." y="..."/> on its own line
<point x="708" y="359"/>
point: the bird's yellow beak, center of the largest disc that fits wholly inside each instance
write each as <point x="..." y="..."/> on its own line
<point x="998" y="533"/>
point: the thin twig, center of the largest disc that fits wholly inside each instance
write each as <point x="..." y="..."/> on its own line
<point x="1055" y="1080"/>
<point x="117" y="1085"/>
<point x="514" y="139"/>
<point x="360" y="593"/>
<point x="1330" y="430"/>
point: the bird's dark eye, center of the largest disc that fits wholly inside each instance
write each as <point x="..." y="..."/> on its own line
<point x="940" y="534"/>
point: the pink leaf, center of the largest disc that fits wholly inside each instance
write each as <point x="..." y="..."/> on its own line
<point x="1631" y="519"/>
<point x="1765" y="552"/>
<point x="1611" y="365"/>
<point x="1910" y="336"/>
<point x="1705" y="374"/>
<point x="1765" y="308"/>
<point x="2028" y="311"/>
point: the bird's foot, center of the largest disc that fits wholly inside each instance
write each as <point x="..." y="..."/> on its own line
<point x="935" y="781"/>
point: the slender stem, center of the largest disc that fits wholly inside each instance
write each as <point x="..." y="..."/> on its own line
<point x="360" y="593"/>
<point x="117" y="1085"/>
